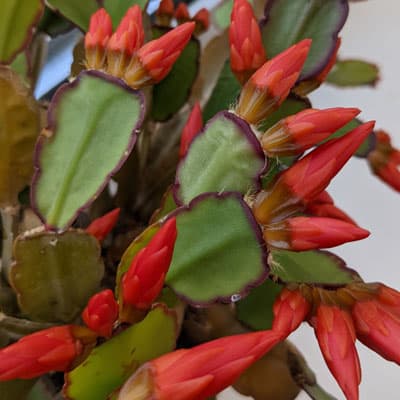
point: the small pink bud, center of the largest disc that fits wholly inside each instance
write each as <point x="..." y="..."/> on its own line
<point x="246" y="47"/>
<point x="144" y="279"/>
<point x="155" y="59"/>
<point x="102" y="226"/>
<point x="297" y="133"/>
<point x="182" y="13"/>
<point x="96" y="39"/>
<point x="191" y="129"/>
<point x="101" y="313"/>
<point x="269" y="86"/>
<point x="202" y="20"/>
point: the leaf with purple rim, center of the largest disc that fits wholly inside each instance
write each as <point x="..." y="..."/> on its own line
<point x="76" y="11"/>
<point x="225" y="156"/>
<point x="219" y="251"/>
<point x="92" y="128"/>
<point x="17" y="21"/>
<point x="55" y="274"/>
<point x="321" y="267"/>
<point x="287" y="22"/>
<point x="110" y="364"/>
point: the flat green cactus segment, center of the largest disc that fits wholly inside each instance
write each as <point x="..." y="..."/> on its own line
<point x="287" y="22"/>
<point x="173" y="91"/>
<point x="19" y="129"/>
<point x="110" y="364"/>
<point x="353" y="73"/>
<point x="54" y="275"/>
<point x="320" y="267"/>
<point x="255" y="310"/>
<point x="118" y="8"/>
<point x="17" y="20"/>
<point x="93" y="124"/>
<point x="218" y="252"/>
<point x="226" y="156"/>
<point x="77" y="11"/>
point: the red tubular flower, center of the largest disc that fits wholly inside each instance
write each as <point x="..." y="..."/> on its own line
<point x="247" y="50"/>
<point x="269" y="86"/>
<point x="336" y="337"/>
<point x="377" y="323"/>
<point x="155" y="59"/>
<point x="96" y="39"/>
<point x="102" y="226"/>
<point x="290" y="310"/>
<point x="127" y="39"/>
<point x="384" y="161"/>
<point x="305" y="87"/>
<point x="165" y="12"/>
<point x="199" y="372"/>
<point x="307" y="233"/>
<point x="53" y="349"/>
<point x="297" y="133"/>
<point x="202" y="20"/>
<point x="145" y="277"/>
<point x="302" y="182"/>
<point x="182" y="13"/>
<point x="101" y="313"/>
<point x="191" y="129"/>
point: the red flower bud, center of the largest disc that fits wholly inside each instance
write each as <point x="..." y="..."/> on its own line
<point x="182" y="13"/>
<point x="247" y="50"/>
<point x="328" y="211"/>
<point x="191" y="129"/>
<point x="290" y="310"/>
<point x="199" y="372"/>
<point x="308" y="233"/>
<point x="102" y="226"/>
<point x="336" y="337"/>
<point x="53" y="349"/>
<point x="101" y="313"/>
<point x="165" y="12"/>
<point x="269" y="86"/>
<point x="384" y="161"/>
<point x="307" y="178"/>
<point x="156" y="58"/>
<point x="145" y="277"/>
<point x="127" y="39"/>
<point x="202" y="20"/>
<point x="378" y="327"/>
<point x="96" y="39"/>
<point x="297" y="133"/>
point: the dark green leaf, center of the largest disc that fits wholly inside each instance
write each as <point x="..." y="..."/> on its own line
<point x="93" y="124"/>
<point x="77" y="11"/>
<point x="288" y="22"/>
<point x="17" y="21"/>
<point x="224" y="94"/>
<point x="110" y="364"/>
<point x="219" y="253"/>
<point x="353" y="73"/>
<point x="226" y="156"/>
<point x="255" y="310"/>
<point x="310" y="267"/>
<point x="16" y="390"/>
<point x="173" y="91"/>
<point x="55" y="274"/>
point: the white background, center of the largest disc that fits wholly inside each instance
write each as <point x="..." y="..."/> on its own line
<point x="372" y="32"/>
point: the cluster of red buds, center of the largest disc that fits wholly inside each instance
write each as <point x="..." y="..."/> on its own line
<point x="167" y="11"/>
<point x="123" y="54"/>
<point x="63" y="347"/>
<point x="367" y="312"/>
